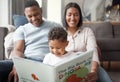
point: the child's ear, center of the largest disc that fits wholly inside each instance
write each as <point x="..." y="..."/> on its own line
<point x="67" y="43"/>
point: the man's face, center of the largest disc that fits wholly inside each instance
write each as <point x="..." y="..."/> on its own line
<point x="34" y="15"/>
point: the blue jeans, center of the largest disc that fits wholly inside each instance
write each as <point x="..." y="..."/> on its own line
<point x="5" y="69"/>
<point x="103" y="75"/>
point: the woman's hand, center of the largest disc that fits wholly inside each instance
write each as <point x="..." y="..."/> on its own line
<point x="91" y="77"/>
<point x="13" y="74"/>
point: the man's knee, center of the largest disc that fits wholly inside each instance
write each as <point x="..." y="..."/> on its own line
<point x="5" y="68"/>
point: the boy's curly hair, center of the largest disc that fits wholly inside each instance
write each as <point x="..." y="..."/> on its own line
<point x="57" y="33"/>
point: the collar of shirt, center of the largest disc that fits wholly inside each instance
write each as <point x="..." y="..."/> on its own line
<point x="76" y="33"/>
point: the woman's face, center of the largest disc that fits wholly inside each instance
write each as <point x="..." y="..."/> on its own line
<point x="72" y="17"/>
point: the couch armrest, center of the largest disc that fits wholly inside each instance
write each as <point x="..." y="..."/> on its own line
<point x="3" y="32"/>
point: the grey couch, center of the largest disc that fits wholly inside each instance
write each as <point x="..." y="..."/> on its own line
<point x="108" y="39"/>
<point x="3" y="32"/>
<point x="107" y="35"/>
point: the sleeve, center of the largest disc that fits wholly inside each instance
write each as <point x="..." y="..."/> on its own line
<point x="18" y="34"/>
<point x="46" y="59"/>
<point x="91" y="44"/>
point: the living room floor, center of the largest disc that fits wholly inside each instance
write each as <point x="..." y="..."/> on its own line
<point x="114" y="71"/>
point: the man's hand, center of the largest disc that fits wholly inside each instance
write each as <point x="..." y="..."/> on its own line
<point x="13" y="74"/>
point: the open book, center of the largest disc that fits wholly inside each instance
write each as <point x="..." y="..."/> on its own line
<point x="72" y="70"/>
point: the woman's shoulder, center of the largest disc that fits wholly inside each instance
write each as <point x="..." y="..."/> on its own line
<point x="86" y="29"/>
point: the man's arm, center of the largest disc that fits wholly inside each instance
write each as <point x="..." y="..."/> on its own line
<point x="17" y="52"/>
<point x="18" y="49"/>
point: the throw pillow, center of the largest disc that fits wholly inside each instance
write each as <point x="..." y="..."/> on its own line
<point x="19" y="20"/>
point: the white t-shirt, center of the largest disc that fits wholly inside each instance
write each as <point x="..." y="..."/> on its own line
<point x="36" y="39"/>
<point x="51" y="59"/>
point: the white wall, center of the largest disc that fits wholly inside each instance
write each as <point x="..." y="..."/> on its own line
<point x="40" y="2"/>
<point x="4" y="13"/>
<point x="54" y="10"/>
<point x="94" y="7"/>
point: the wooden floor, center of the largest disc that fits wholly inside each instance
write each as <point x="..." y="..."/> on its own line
<point x="115" y="66"/>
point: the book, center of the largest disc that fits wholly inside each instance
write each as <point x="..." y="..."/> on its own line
<point x="71" y="70"/>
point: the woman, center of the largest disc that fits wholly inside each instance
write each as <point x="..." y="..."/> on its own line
<point x="82" y="39"/>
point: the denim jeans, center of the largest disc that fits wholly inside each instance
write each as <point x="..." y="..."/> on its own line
<point x="103" y="75"/>
<point x="5" y="68"/>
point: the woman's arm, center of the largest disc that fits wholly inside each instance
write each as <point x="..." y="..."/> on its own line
<point x="94" y="66"/>
<point x="91" y="44"/>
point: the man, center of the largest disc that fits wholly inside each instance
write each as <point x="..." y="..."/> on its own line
<point x="31" y="39"/>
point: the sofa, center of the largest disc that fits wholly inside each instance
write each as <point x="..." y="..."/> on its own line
<point x="3" y="32"/>
<point x="107" y="35"/>
<point x="108" y="39"/>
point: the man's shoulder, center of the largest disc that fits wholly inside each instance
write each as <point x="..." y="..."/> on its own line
<point x="24" y="26"/>
<point x="52" y="23"/>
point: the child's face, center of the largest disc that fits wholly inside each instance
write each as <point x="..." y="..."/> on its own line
<point x="57" y="47"/>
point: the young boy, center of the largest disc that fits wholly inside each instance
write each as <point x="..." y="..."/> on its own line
<point x="57" y="39"/>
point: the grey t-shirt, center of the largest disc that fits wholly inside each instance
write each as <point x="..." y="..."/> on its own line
<point x="36" y="39"/>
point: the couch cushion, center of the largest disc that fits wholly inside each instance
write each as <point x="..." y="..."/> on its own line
<point x="116" y="31"/>
<point x="19" y="20"/>
<point x="102" y="29"/>
<point x="110" y="55"/>
<point x="109" y="44"/>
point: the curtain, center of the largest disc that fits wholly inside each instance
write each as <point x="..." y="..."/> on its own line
<point x="15" y="7"/>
